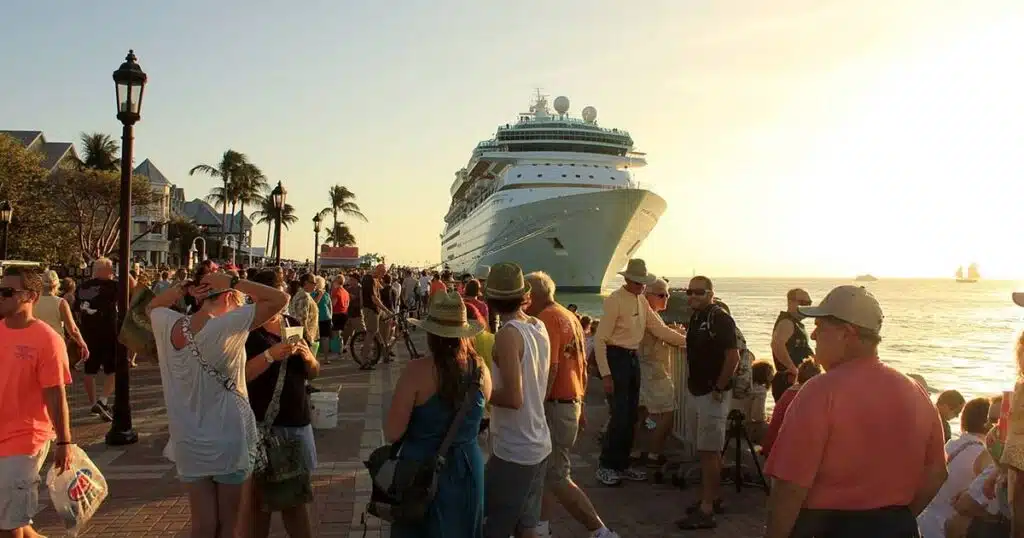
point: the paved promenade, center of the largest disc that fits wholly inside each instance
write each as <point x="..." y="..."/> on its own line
<point x="146" y="499"/>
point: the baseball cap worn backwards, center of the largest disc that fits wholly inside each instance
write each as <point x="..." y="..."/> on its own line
<point x="853" y="304"/>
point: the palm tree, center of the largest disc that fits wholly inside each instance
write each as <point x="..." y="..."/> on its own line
<point x="250" y="186"/>
<point x="267" y="214"/>
<point x="341" y="236"/>
<point x="230" y="162"/>
<point x="342" y="200"/>
<point x="99" y="151"/>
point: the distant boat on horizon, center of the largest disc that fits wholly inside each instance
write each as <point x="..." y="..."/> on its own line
<point x="972" y="276"/>
<point x="866" y="278"/>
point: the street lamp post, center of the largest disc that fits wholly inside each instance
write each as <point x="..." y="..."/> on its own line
<point x="278" y="196"/>
<point x="129" y="83"/>
<point x="316" y="243"/>
<point x="6" y="213"/>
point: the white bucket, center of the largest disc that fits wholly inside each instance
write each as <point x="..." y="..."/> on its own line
<point x="324" y="410"/>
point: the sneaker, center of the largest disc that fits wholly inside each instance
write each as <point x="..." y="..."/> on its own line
<point x="100" y="409"/>
<point x="608" y="477"/>
<point x="634" y="475"/>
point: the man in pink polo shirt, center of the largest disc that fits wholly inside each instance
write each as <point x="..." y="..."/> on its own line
<point x="860" y="452"/>
<point x="33" y="405"/>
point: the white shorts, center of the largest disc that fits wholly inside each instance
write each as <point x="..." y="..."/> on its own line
<point x="19" y="488"/>
<point x="712" y="420"/>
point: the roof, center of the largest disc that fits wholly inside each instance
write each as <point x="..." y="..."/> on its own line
<point x="204" y="214"/>
<point x="55" y="152"/>
<point x="25" y="137"/>
<point x="155" y="176"/>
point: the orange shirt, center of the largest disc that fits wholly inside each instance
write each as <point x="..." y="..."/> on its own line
<point x="31" y="359"/>
<point x="860" y="437"/>
<point x="566" y="335"/>
<point x="436" y="286"/>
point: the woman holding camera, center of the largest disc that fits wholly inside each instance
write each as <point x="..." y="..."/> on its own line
<point x="267" y="352"/>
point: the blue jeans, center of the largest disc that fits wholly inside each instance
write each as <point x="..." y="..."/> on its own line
<point x="618" y="442"/>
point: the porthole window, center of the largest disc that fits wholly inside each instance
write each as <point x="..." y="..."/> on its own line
<point x="540" y="175"/>
<point x="577" y="175"/>
<point x="519" y="175"/>
<point x="591" y="177"/>
<point x="563" y="175"/>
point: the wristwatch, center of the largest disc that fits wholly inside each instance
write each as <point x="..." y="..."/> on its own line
<point x="267" y="357"/>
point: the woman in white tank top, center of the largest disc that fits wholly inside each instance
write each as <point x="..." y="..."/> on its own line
<point x="55" y="312"/>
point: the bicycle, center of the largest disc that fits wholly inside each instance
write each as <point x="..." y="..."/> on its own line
<point x="382" y="350"/>
<point x="402" y="330"/>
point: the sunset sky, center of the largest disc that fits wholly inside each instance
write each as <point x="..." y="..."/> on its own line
<point x="790" y="137"/>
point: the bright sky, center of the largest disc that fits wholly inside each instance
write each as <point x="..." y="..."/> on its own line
<point x="790" y="138"/>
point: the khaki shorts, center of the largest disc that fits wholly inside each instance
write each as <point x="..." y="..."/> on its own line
<point x="564" y="423"/>
<point x="712" y="421"/>
<point x="657" y="395"/>
<point x="371" y="319"/>
<point x="19" y="488"/>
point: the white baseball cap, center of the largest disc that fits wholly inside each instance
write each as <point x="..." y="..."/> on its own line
<point x="853" y="304"/>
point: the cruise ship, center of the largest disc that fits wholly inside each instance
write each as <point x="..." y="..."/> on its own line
<point x="552" y="193"/>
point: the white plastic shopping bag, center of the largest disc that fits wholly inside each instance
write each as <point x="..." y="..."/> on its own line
<point x="77" y="492"/>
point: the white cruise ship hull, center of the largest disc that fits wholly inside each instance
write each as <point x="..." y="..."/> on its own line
<point x="581" y="240"/>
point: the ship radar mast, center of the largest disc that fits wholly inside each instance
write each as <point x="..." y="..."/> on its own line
<point x="539" y="109"/>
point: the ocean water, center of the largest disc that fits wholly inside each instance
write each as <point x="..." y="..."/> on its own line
<point x="958" y="336"/>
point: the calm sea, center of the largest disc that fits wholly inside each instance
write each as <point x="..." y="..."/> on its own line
<point x="958" y="336"/>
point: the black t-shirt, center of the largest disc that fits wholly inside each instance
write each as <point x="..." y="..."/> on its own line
<point x="369" y="291"/>
<point x="294" y="408"/>
<point x="389" y="297"/>
<point x="711" y="333"/>
<point x="96" y="306"/>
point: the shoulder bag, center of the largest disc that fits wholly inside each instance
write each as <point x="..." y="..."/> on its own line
<point x="285" y="482"/>
<point x="404" y="489"/>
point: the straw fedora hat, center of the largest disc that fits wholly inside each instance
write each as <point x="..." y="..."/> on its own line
<point x="636" y="271"/>
<point x="446" y="317"/>
<point x="506" y="282"/>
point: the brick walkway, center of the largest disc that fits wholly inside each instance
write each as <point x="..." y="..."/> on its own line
<point x="147" y="500"/>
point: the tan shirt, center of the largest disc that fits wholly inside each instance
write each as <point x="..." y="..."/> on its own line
<point x="626" y="318"/>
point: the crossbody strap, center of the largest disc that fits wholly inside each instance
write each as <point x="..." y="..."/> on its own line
<point x="229" y="384"/>
<point x="460" y="415"/>
<point x="275" y="401"/>
<point x="961" y="448"/>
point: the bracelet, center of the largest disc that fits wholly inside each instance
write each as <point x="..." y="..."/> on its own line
<point x="268" y="358"/>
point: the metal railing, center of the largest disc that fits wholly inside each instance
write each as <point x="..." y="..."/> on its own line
<point x="685" y="427"/>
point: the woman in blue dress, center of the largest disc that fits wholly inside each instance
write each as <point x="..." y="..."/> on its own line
<point x="425" y="400"/>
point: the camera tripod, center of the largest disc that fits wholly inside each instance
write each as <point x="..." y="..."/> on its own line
<point x="737" y="432"/>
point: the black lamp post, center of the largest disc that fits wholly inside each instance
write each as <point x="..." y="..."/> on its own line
<point x="129" y="83"/>
<point x="316" y="243"/>
<point x="278" y="196"/>
<point x="6" y="213"/>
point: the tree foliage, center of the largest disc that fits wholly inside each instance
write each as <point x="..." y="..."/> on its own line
<point x="341" y="236"/>
<point x="68" y="216"/>
<point x="90" y="202"/>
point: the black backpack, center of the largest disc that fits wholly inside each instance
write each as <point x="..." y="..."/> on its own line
<point x="404" y="489"/>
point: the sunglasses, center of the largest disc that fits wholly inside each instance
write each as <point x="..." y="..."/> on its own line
<point x="7" y="293"/>
<point x="698" y="293"/>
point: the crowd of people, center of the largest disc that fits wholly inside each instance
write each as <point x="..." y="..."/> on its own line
<point x="238" y="349"/>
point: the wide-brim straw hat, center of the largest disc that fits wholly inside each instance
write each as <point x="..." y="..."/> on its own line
<point x="506" y="281"/>
<point x="636" y="271"/>
<point x="446" y="317"/>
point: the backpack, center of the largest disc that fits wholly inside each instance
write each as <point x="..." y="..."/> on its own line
<point x="404" y="489"/>
<point x="743" y="379"/>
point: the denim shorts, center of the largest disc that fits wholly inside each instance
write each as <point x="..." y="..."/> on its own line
<point x="305" y="435"/>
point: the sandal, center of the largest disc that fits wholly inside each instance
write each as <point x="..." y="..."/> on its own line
<point x="716" y="506"/>
<point x="697" y="520"/>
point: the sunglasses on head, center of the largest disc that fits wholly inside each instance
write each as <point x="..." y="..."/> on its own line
<point x="7" y="293"/>
<point x="698" y="293"/>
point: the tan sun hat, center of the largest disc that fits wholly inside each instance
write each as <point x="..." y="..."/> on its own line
<point x="636" y="271"/>
<point x="506" y="282"/>
<point x="1018" y="298"/>
<point x="446" y="317"/>
<point x="852" y="304"/>
<point x="482" y="272"/>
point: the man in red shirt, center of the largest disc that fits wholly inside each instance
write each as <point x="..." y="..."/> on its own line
<point x="339" y="310"/>
<point x="33" y="405"/>
<point x="860" y="452"/>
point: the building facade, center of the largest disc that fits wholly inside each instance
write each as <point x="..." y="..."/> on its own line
<point x="150" y="244"/>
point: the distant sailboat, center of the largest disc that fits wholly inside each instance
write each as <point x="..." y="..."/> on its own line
<point x="866" y="278"/>
<point x="972" y="275"/>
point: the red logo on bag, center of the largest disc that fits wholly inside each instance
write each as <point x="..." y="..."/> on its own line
<point x="81" y="485"/>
